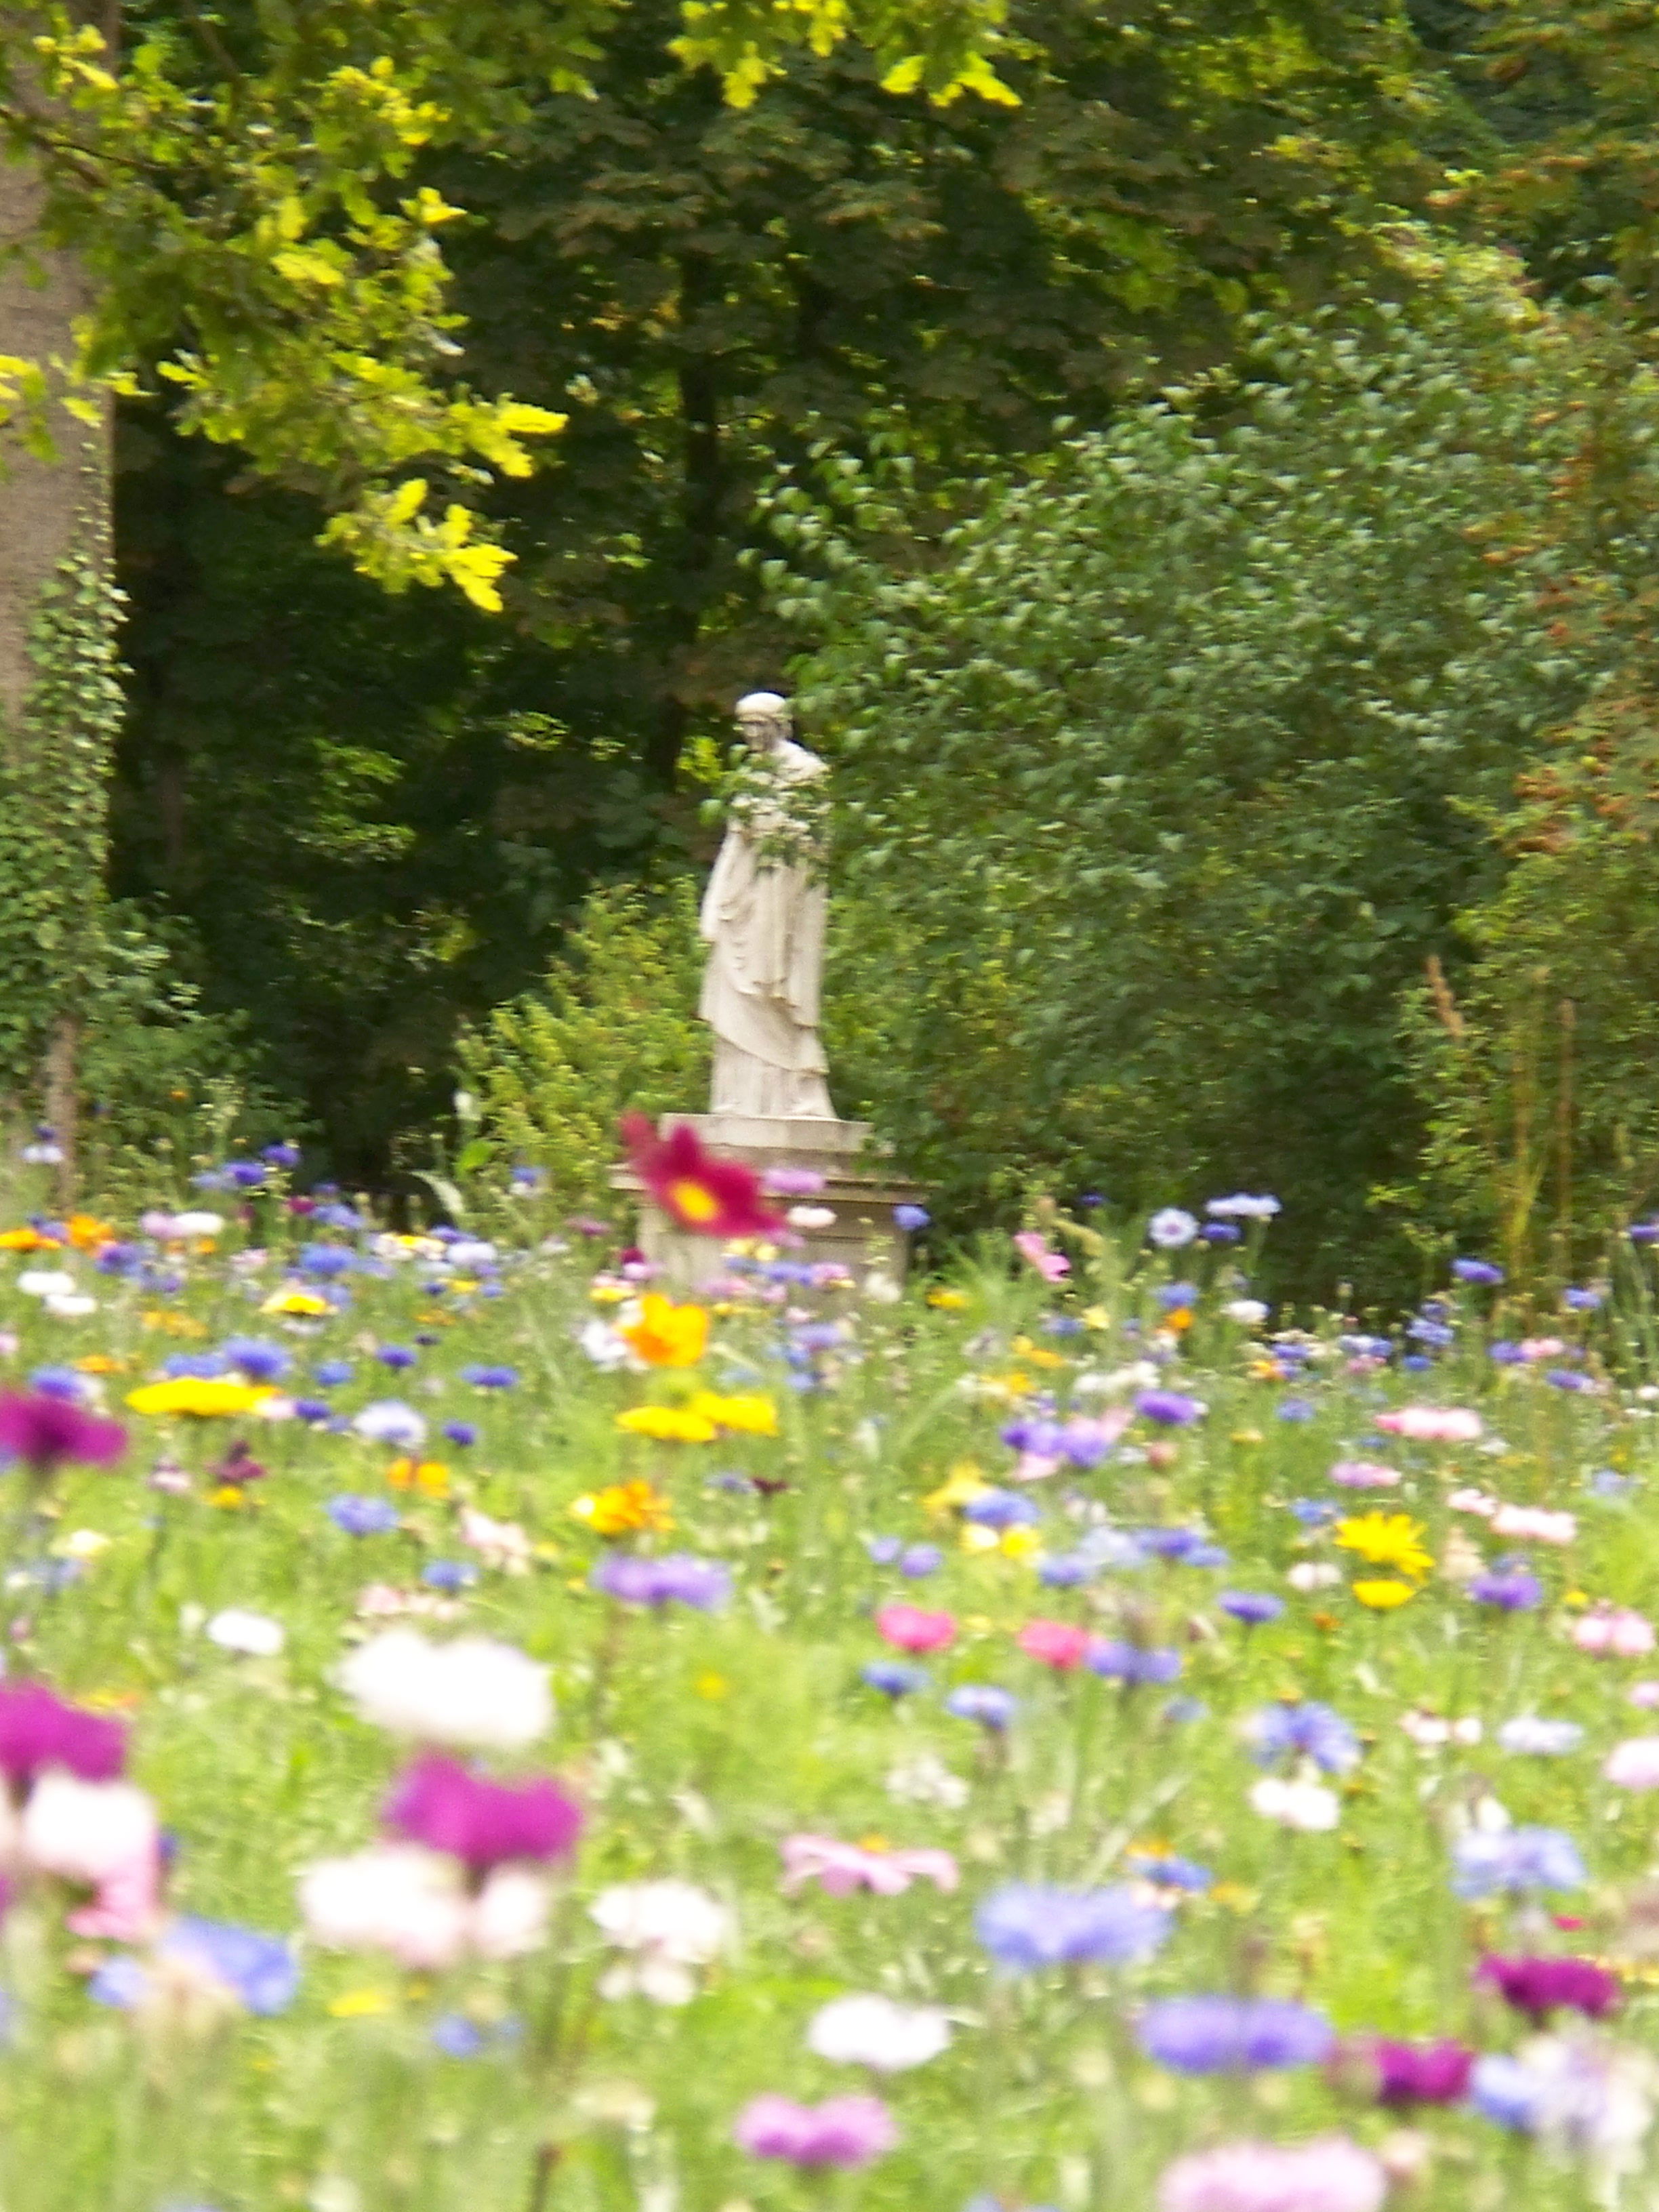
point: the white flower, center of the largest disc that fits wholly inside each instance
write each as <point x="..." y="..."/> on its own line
<point x="811" y="1217"/>
<point x="1313" y="1575"/>
<point x="1248" y="1313"/>
<point x="926" y="1780"/>
<point x="468" y="1254"/>
<point x="82" y="1544"/>
<point x="668" y="1927"/>
<point x="389" y="1421"/>
<point x="236" y="1629"/>
<point x="1242" y="1207"/>
<point x="75" y="1306"/>
<point x="1303" y="1805"/>
<point x="86" y="1830"/>
<point x="501" y="1544"/>
<point x="1171" y="1229"/>
<point x="605" y="1347"/>
<point x="196" y="1224"/>
<point x="413" y="1904"/>
<point x="874" y="2031"/>
<point x="1546" y="1739"/>
<point x="472" y="1692"/>
<point x="1430" y="1731"/>
<point x="45" y="1283"/>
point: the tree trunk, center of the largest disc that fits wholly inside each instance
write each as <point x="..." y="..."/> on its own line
<point x="43" y="509"/>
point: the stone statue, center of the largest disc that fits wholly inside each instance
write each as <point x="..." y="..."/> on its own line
<point x="762" y="919"/>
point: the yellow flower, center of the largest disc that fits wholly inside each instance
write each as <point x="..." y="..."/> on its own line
<point x="610" y="1294"/>
<point x="948" y="1301"/>
<point x="711" y="1686"/>
<point x="296" y="1302"/>
<point x="1387" y="1540"/>
<point x="1179" y="1319"/>
<point x="667" y="1335"/>
<point x="231" y="1498"/>
<point x="174" y="1324"/>
<point x="199" y="1396"/>
<point x="100" y="1363"/>
<point x="976" y="1537"/>
<point x="1247" y="1436"/>
<point x="86" y="1233"/>
<point x="360" y="2004"/>
<point x="668" y="1425"/>
<point x="1383" y="1596"/>
<point x="1096" y="1317"/>
<point x="28" y="1240"/>
<point x="1035" y="1355"/>
<point x="429" y="1476"/>
<point x="1019" y="1543"/>
<point x="626" y="1509"/>
<point x="748" y="1413"/>
<point x="960" y="1487"/>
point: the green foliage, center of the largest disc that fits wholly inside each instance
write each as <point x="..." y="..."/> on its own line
<point x="54" y="779"/>
<point x="1154" y="772"/>
<point x="613" y="1027"/>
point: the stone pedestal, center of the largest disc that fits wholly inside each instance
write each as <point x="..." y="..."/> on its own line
<point x="860" y="1191"/>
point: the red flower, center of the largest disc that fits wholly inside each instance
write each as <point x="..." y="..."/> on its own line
<point x="710" y="1197"/>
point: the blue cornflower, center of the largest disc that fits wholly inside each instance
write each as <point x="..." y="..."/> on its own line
<point x="893" y="1679"/>
<point x="325" y="1261"/>
<point x="1026" y="1926"/>
<point x="1220" y="1232"/>
<point x="1216" y="2034"/>
<point x="1566" y="1378"/>
<point x="280" y="1156"/>
<point x="449" y="1574"/>
<point x="917" y="1561"/>
<point x="245" y="1175"/>
<point x="1207" y="1555"/>
<point x="1175" y="1296"/>
<point x="1477" y="1271"/>
<point x="261" y="1971"/>
<point x="1170" y="1409"/>
<point x="396" y="1355"/>
<point x="329" y="1374"/>
<point x="338" y="1216"/>
<point x="883" y="1550"/>
<point x="1541" y="1739"/>
<point x="205" y="1366"/>
<point x="1002" y="1508"/>
<point x="1506" y="1353"/>
<point x="1179" y="1710"/>
<point x="1062" y="1325"/>
<point x="1515" y="1861"/>
<point x="362" y="1516"/>
<point x="1314" y="1512"/>
<point x="259" y="1361"/>
<point x="1511" y="1589"/>
<point x="1507" y="2091"/>
<point x="1177" y="1544"/>
<point x="1434" y="1334"/>
<point x="312" y="1409"/>
<point x="1253" y="1607"/>
<point x="459" y="1433"/>
<point x="911" y="1218"/>
<point x="455" y="2036"/>
<point x="1297" y="1409"/>
<point x="66" y="1382"/>
<point x="993" y="1708"/>
<point x="1064" y="1569"/>
<point x="1128" y="1662"/>
<point x="1416" y="1363"/>
<point x="1644" y="1232"/>
<point x="1311" y="1730"/>
<point x="490" y="1378"/>
<point x="1605" y="1483"/>
<point x="1166" y="1871"/>
<point x="1581" y="1301"/>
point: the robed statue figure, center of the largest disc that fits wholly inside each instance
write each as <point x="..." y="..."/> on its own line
<point x="762" y="919"/>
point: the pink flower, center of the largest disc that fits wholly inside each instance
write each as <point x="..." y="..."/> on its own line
<point x="1363" y="1474"/>
<point x="1431" y="1424"/>
<point x="105" y="1835"/>
<point x="841" y="2131"/>
<point x="1645" y="1694"/>
<point x="1474" y="1501"/>
<point x="1055" y="1642"/>
<point x="1634" y="1763"/>
<point x="1330" y="2174"/>
<point x="127" y="1902"/>
<point x="1534" y="1348"/>
<point x="420" y="1907"/>
<point x="501" y="1544"/>
<point x="1613" y="1632"/>
<point x="913" y="1628"/>
<point x="840" y="1868"/>
<point x="1053" y="1267"/>
<point x="1532" y="1524"/>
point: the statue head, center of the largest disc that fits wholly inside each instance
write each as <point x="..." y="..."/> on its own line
<point x="764" y="719"/>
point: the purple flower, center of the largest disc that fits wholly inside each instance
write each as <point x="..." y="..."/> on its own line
<point x="1540" y="1986"/>
<point x="1477" y="1271"/>
<point x="893" y="1679"/>
<point x="1297" y="1409"/>
<point x="1580" y="1301"/>
<point x="1564" y="1378"/>
<point x="362" y="1516"/>
<point x="439" y="1803"/>
<point x="462" y="1433"/>
<point x="1002" y="1508"/>
<point x="1177" y="1544"/>
<point x="1253" y="1607"/>
<point x="38" y="1730"/>
<point x="325" y="1261"/>
<point x="993" y="1708"/>
<point x="1217" y="2034"/>
<point x="1414" y="2073"/>
<point x="1128" y="1662"/>
<point x="1170" y="1409"/>
<point x="1174" y="1296"/>
<point x="44" y="1430"/>
<point x="490" y="1378"/>
<point x="1026" y="1926"/>
<point x="678" y="1578"/>
<point x="844" y="2131"/>
<point x="1644" y="1232"/>
<point x="244" y="1175"/>
<point x="280" y="1156"/>
<point x="917" y="1561"/>
<point x="1311" y="1730"/>
<point x="329" y="1374"/>
<point x="259" y="1361"/>
<point x="396" y="1355"/>
<point x="261" y="1971"/>
<point x="911" y="1218"/>
<point x="1515" y="1861"/>
<point x="1513" y="1590"/>
<point x="449" y="1574"/>
<point x="1221" y="1232"/>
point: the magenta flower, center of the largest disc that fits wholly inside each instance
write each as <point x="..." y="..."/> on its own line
<point x="1540" y="1986"/>
<point x="438" y="1802"/>
<point x="38" y="1730"/>
<point x="913" y="1628"/>
<point x="43" y="1431"/>
<point x="840" y="1868"/>
<point x="841" y="2131"/>
<point x="1411" y="2073"/>
<point x="1055" y="1644"/>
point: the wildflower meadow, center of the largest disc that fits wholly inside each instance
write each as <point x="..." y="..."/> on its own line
<point x="485" y="1730"/>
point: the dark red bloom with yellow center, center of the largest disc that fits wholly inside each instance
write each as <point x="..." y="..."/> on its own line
<point x="709" y="1196"/>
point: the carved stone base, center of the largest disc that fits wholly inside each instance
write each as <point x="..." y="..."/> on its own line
<point x="863" y="1237"/>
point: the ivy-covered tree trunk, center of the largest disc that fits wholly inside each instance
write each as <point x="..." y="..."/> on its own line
<point x="59" y="701"/>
